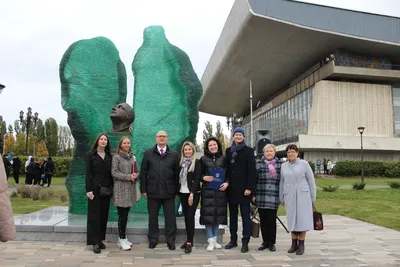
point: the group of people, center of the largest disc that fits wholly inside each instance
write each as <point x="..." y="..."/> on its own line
<point x="216" y="180"/>
<point x="37" y="172"/>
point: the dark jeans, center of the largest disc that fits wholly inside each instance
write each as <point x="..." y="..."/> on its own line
<point x="268" y="225"/>
<point x="48" y="177"/>
<point x="97" y="218"/>
<point x="16" y="176"/>
<point x="189" y="212"/>
<point x="246" y="221"/>
<point x="29" y="178"/>
<point x="153" y="207"/>
<point x="122" y="221"/>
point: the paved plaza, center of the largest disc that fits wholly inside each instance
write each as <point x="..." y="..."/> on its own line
<point x="344" y="242"/>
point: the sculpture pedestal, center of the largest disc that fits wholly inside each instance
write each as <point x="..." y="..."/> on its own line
<point x="56" y="224"/>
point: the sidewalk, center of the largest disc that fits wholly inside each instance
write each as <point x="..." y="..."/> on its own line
<point x="344" y="242"/>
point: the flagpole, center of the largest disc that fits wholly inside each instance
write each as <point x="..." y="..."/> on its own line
<point x="251" y="115"/>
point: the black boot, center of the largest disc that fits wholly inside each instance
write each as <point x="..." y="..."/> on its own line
<point x="300" y="250"/>
<point x="294" y="246"/>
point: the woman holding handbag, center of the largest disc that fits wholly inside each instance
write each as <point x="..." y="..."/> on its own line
<point x="268" y="176"/>
<point x="125" y="194"/>
<point x="297" y="192"/>
<point x="99" y="184"/>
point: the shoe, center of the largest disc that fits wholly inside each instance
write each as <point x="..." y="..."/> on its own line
<point x="263" y="246"/>
<point x="272" y="247"/>
<point x="300" y="249"/>
<point x="184" y="245"/>
<point x="231" y="245"/>
<point x="126" y="241"/>
<point x="101" y="245"/>
<point x="210" y="246"/>
<point x="245" y="248"/>
<point x="188" y="248"/>
<point x="216" y="245"/>
<point x="171" y="246"/>
<point x="293" y="248"/>
<point x="122" y="244"/>
<point x="96" y="249"/>
<point x="152" y="245"/>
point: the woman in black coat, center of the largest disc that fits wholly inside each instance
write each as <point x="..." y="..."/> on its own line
<point x="189" y="189"/>
<point x="99" y="184"/>
<point x="213" y="210"/>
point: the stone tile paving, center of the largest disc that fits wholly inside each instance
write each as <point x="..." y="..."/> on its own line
<point x="344" y="242"/>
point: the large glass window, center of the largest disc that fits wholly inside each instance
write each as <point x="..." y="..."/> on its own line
<point x="396" y="111"/>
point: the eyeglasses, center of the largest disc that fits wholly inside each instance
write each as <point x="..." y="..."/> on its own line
<point x="162" y="136"/>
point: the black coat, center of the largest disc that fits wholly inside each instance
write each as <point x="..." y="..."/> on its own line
<point x="16" y="165"/>
<point x="49" y="168"/>
<point x="159" y="176"/>
<point x="193" y="178"/>
<point x="242" y="174"/>
<point x="213" y="202"/>
<point x="98" y="171"/>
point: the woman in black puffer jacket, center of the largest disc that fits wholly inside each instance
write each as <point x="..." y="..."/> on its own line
<point x="213" y="210"/>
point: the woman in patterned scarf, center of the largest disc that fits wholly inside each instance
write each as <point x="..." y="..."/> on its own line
<point x="267" y="195"/>
<point x="189" y="189"/>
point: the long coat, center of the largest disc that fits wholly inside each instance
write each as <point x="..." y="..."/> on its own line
<point x="125" y="193"/>
<point x="7" y="226"/>
<point x="213" y="202"/>
<point x="241" y="175"/>
<point x="267" y="188"/>
<point x="297" y="190"/>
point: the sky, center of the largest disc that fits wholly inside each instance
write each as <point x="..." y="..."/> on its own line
<point x="35" y="35"/>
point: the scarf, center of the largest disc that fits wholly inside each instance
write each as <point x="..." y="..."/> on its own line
<point x="271" y="167"/>
<point x="235" y="148"/>
<point x="185" y="166"/>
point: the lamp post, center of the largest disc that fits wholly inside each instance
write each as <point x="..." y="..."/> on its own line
<point x="361" y="130"/>
<point x="29" y="119"/>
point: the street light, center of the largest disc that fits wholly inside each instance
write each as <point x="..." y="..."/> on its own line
<point x="29" y="117"/>
<point x="361" y="130"/>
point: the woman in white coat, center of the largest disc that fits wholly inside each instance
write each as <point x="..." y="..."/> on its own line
<point x="297" y="192"/>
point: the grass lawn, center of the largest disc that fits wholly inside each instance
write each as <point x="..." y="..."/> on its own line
<point x="55" y="181"/>
<point x="376" y="206"/>
<point x="27" y="205"/>
<point x="323" y="181"/>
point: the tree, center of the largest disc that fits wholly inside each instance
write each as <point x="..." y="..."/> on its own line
<point x="38" y="131"/>
<point x="219" y="134"/>
<point x="51" y="136"/>
<point x="41" y="150"/>
<point x="3" y="130"/>
<point x="32" y="144"/>
<point x="10" y="129"/>
<point x="65" y="140"/>
<point x="9" y="145"/>
<point x="19" y="147"/>
<point x="17" y="127"/>
<point x="207" y="132"/>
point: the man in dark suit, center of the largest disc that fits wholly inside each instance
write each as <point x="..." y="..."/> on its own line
<point x="159" y="180"/>
<point x="241" y="174"/>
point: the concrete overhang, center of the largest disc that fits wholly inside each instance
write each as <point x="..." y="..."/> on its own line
<point x="272" y="53"/>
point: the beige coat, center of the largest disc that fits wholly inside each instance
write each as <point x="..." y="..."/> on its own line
<point x="7" y="226"/>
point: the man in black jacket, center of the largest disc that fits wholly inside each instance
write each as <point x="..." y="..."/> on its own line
<point x="241" y="173"/>
<point x="16" y="168"/>
<point x="159" y="180"/>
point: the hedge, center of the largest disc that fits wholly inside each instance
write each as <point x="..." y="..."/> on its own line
<point x="371" y="168"/>
<point x="62" y="165"/>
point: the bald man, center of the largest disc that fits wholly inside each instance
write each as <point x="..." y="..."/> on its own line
<point x="159" y="181"/>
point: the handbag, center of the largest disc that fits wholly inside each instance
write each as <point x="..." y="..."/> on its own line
<point x="106" y="191"/>
<point x="255" y="225"/>
<point x="318" y="222"/>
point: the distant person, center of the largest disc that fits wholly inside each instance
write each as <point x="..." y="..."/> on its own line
<point x="7" y="165"/>
<point x="325" y="164"/>
<point x="31" y="171"/>
<point x="98" y="191"/>
<point x="7" y="225"/>
<point x="49" y="170"/>
<point x="125" y="195"/>
<point x="189" y="190"/>
<point x="213" y="211"/>
<point x="241" y="172"/>
<point x="329" y="166"/>
<point x="159" y="180"/>
<point x="297" y="192"/>
<point x="27" y="162"/>
<point x="16" y="168"/>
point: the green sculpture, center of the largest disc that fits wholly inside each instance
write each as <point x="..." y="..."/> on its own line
<point x="93" y="81"/>
<point x="166" y="95"/>
<point x="93" y="78"/>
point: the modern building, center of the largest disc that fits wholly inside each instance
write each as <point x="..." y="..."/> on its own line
<point x="318" y="73"/>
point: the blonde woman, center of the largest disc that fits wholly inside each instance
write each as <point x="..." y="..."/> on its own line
<point x="189" y="189"/>
<point x="267" y="195"/>
<point x="125" y="194"/>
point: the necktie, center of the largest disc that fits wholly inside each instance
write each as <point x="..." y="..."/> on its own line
<point x="162" y="152"/>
